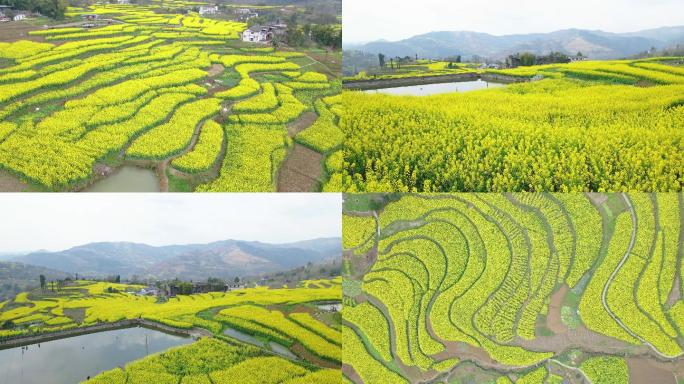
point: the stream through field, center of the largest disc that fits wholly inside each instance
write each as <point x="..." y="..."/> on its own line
<point x="128" y="179"/>
<point x="434" y="89"/>
<point x="72" y="360"/>
<point x="249" y="339"/>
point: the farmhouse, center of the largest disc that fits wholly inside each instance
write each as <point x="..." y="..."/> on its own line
<point x="244" y="14"/>
<point x="19" y="17"/>
<point x="577" y="58"/>
<point x="233" y="287"/>
<point x="149" y="291"/>
<point x="208" y="10"/>
<point x="263" y="34"/>
<point x="257" y="34"/>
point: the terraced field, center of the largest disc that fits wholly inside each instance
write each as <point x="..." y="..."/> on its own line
<point x="271" y="320"/>
<point x="513" y="287"/>
<point x="176" y="93"/>
<point x="217" y="361"/>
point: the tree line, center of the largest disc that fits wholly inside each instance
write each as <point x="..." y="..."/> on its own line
<point x="51" y="8"/>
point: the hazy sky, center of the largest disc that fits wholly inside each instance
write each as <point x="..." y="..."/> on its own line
<point x="369" y="20"/>
<point x="59" y="221"/>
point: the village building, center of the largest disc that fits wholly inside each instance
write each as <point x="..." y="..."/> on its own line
<point x="19" y="17"/>
<point x="263" y="34"/>
<point x="148" y="291"/>
<point x="578" y="58"/>
<point x="244" y="14"/>
<point x="257" y="34"/>
<point x="208" y="10"/>
<point x="3" y="9"/>
<point x="233" y="287"/>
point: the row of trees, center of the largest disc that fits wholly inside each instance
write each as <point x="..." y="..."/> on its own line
<point x="52" y="285"/>
<point x="322" y="35"/>
<point x="51" y="8"/>
<point x="527" y="59"/>
<point x="397" y="62"/>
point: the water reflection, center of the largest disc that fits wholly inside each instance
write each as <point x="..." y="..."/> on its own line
<point x="72" y="360"/>
<point x="433" y="89"/>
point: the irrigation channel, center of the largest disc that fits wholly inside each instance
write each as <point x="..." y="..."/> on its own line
<point x="249" y="339"/>
<point x="333" y="306"/>
<point x="73" y="359"/>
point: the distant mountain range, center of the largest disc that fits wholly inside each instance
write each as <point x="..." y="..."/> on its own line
<point x="594" y="44"/>
<point x="221" y="259"/>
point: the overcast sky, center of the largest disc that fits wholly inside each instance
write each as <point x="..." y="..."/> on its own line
<point x="369" y="20"/>
<point x="59" y="221"/>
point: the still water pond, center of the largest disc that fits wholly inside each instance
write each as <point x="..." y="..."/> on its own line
<point x="72" y="360"/>
<point x="434" y="89"/>
<point x="128" y="179"/>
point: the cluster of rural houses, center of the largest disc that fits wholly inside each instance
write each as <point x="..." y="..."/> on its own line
<point x="175" y="289"/>
<point x="255" y="34"/>
<point x="241" y="14"/>
<point x="264" y="33"/>
<point x="244" y="14"/>
<point x="8" y="14"/>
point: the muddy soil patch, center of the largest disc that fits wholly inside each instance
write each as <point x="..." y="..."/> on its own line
<point x="75" y="314"/>
<point x="18" y="30"/>
<point x="301" y="171"/>
<point x="554" y="320"/>
<point x="215" y="70"/>
<point x="11" y="183"/>
<point x="643" y="371"/>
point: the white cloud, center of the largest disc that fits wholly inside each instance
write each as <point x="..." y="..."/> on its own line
<point x="59" y="221"/>
<point x="398" y="19"/>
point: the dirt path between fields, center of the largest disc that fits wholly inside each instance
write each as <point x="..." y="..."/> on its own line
<point x="302" y="170"/>
<point x="303" y="122"/>
<point x="554" y="320"/>
<point x="11" y="183"/>
<point x="164" y="164"/>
